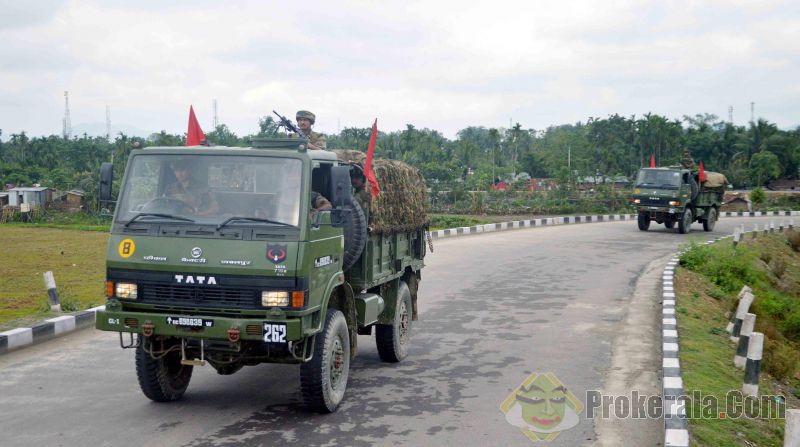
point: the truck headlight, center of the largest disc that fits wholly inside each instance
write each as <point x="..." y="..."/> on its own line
<point x="674" y="203"/>
<point x="637" y="201"/>
<point x="274" y="298"/>
<point x="126" y="290"/>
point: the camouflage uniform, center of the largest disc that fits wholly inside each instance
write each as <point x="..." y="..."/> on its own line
<point x="315" y="138"/>
<point x="687" y="161"/>
<point x="318" y="200"/>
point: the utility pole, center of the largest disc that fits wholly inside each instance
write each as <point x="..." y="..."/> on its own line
<point x="752" y="112"/>
<point x="216" y="117"/>
<point x="66" y="130"/>
<point x="730" y="114"/>
<point x="108" y="123"/>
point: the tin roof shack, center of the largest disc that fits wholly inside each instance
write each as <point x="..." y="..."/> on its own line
<point x="784" y="185"/>
<point x="736" y="202"/>
<point x="36" y="196"/>
<point x="70" y="201"/>
<point x="3" y="199"/>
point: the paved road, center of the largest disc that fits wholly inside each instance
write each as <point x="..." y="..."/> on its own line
<point x="494" y="308"/>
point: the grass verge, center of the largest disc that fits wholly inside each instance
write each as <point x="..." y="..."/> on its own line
<point x="706" y="287"/>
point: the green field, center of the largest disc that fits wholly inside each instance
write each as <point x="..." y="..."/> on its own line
<point x="76" y="258"/>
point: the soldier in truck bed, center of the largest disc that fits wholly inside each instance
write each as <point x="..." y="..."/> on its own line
<point x="305" y="120"/>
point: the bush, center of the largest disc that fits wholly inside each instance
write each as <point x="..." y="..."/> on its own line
<point x="695" y="256"/>
<point x="757" y="196"/>
<point x="778" y="267"/>
<point x="793" y="236"/>
<point x="443" y="222"/>
<point x="780" y="359"/>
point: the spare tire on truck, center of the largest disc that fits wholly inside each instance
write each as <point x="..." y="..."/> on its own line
<point x="355" y="235"/>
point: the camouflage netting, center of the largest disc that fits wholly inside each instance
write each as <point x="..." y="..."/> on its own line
<point x="351" y="156"/>
<point x="401" y="204"/>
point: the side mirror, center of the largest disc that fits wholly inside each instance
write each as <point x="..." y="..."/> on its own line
<point x="339" y="217"/>
<point x="106" y="179"/>
<point x="340" y="187"/>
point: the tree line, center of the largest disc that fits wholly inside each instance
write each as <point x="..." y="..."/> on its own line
<point x="617" y="145"/>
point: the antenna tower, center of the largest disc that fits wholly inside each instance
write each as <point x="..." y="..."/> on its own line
<point x="216" y="117"/>
<point x="730" y="114"/>
<point x="66" y="129"/>
<point x="752" y="112"/>
<point x="108" y="122"/>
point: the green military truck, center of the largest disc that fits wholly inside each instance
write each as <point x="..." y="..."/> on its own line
<point x="229" y="257"/>
<point x="675" y="195"/>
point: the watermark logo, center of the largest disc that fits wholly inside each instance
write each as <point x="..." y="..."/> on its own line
<point x="542" y="407"/>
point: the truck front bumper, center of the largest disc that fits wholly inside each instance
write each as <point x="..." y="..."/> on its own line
<point x="193" y="326"/>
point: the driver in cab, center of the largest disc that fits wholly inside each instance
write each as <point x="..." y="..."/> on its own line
<point x="197" y="198"/>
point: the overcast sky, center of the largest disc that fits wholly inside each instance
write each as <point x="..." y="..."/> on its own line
<point x="441" y="65"/>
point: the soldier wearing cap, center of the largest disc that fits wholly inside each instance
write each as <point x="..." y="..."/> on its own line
<point x="305" y="120"/>
<point x="687" y="161"/>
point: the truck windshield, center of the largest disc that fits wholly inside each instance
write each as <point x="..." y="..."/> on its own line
<point x="211" y="189"/>
<point x="653" y="178"/>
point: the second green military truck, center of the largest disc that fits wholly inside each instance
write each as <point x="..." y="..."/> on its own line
<point x="678" y="196"/>
<point x="240" y="256"/>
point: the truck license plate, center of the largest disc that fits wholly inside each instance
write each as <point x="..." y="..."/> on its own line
<point x="274" y="333"/>
<point x="190" y="322"/>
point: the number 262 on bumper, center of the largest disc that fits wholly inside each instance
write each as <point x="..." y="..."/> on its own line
<point x="274" y="333"/>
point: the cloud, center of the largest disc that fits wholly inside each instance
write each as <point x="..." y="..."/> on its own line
<point x="20" y="14"/>
<point x="443" y="65"/>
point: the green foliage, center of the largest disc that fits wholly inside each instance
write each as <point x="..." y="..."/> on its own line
<point x="779" y="359"/>
<point x="728" y="269"/>
<point x="443" y="221"/>
<point x="614" y="145"/>
<point x="757" y="196"/>
<point x="764" y="166"/>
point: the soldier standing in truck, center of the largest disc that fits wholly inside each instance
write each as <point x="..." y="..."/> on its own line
<point x="305" y="120"/>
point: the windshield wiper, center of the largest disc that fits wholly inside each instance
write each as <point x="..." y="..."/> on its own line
<point x="167" y="216"/>
<point x="251" y="219"/>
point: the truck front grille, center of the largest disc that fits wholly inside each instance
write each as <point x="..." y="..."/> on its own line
<point x="197" y="296"/>
<point x="653" y="202"/>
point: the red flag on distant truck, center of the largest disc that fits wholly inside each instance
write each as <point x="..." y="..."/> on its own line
<point x="702" y="172"/>
<point x="195" y="135"/>
<point x="368" y="172"/>
<point x="652" y="160"/>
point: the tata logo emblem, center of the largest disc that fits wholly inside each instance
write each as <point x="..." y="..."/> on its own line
<point x="276" y="253"/>
<point x="189" y="279"/>
<point x="197" y="252"/>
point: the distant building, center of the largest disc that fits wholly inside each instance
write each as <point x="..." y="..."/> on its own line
<point x="615" y="181"/>
<point x="71" y="201"/>
<point x="784" y="185"/>
<point x="736" y="202"/>
<point x="541" y="184"/>
<point x="33" y="196"/>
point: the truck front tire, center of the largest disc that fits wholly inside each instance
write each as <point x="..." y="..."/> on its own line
<point x="685" y="224"/>
<point x="323" y="379"/>
<point x="164" y="379"/>
<point x="644" y="221"/>
<point x="392" y="339"/>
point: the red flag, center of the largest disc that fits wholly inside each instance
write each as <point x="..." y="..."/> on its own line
<point x="373" y="182"/>
<point x="652" y="160"/>
<point x="195" y="135"/>
<point x="702" y="172"/>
